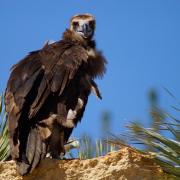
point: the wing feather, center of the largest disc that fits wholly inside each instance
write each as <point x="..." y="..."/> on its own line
<point x="41" y="74"/>
<point x="58" y="78"/>
<point x="68" y="65"/>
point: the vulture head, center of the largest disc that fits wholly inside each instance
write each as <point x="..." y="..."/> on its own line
<point x="84" y="25"/>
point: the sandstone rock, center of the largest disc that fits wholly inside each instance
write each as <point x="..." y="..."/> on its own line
<point x="125" y="164"/>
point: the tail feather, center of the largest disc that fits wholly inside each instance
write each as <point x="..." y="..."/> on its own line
<point x="37" y="154"/>
<point x="31" y="145"/>
<point x="43" y="150"/>
<point x="35" y="151"/>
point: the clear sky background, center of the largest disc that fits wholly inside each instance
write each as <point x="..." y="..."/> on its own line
<point x="140" y="39"/>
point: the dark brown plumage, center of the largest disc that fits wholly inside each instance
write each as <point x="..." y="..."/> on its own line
<point x="45" y="88"/>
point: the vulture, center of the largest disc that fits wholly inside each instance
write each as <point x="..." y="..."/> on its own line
<point x="47" y="93"/>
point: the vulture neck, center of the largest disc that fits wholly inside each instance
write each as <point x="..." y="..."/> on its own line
<point x="74" y="37"/>
<point x="96" y="64"/>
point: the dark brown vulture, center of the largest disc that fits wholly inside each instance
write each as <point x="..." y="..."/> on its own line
<point x="47" y="93"/>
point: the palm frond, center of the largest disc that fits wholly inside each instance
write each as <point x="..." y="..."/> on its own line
<point x="89" y="149"/>
<point x="166" y="150"/>
<point x="4" y="145"/>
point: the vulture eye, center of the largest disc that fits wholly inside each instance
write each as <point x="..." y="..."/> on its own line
<point x="75" y="24"/>
<point x="91" y="24"/>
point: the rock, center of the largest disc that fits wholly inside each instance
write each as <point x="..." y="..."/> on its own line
<point x="125" y="164"/>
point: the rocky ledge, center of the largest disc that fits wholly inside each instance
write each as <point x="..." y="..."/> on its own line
<point x="125" y="164"/>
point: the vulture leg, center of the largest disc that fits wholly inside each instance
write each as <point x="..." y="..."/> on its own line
<point x="56" y="122"/>
<point x="51" y="129"/>
<point x="56" y="146"/>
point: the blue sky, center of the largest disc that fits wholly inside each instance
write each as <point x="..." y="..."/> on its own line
<point x="140" y="39"/>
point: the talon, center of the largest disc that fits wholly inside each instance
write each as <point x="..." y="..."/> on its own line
<point x="58" y="155"/>
<point x="48" y="155"/>
<point x="61" y="155"/>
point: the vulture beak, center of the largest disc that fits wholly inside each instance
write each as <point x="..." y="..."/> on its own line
<point x="85" y="30"/>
